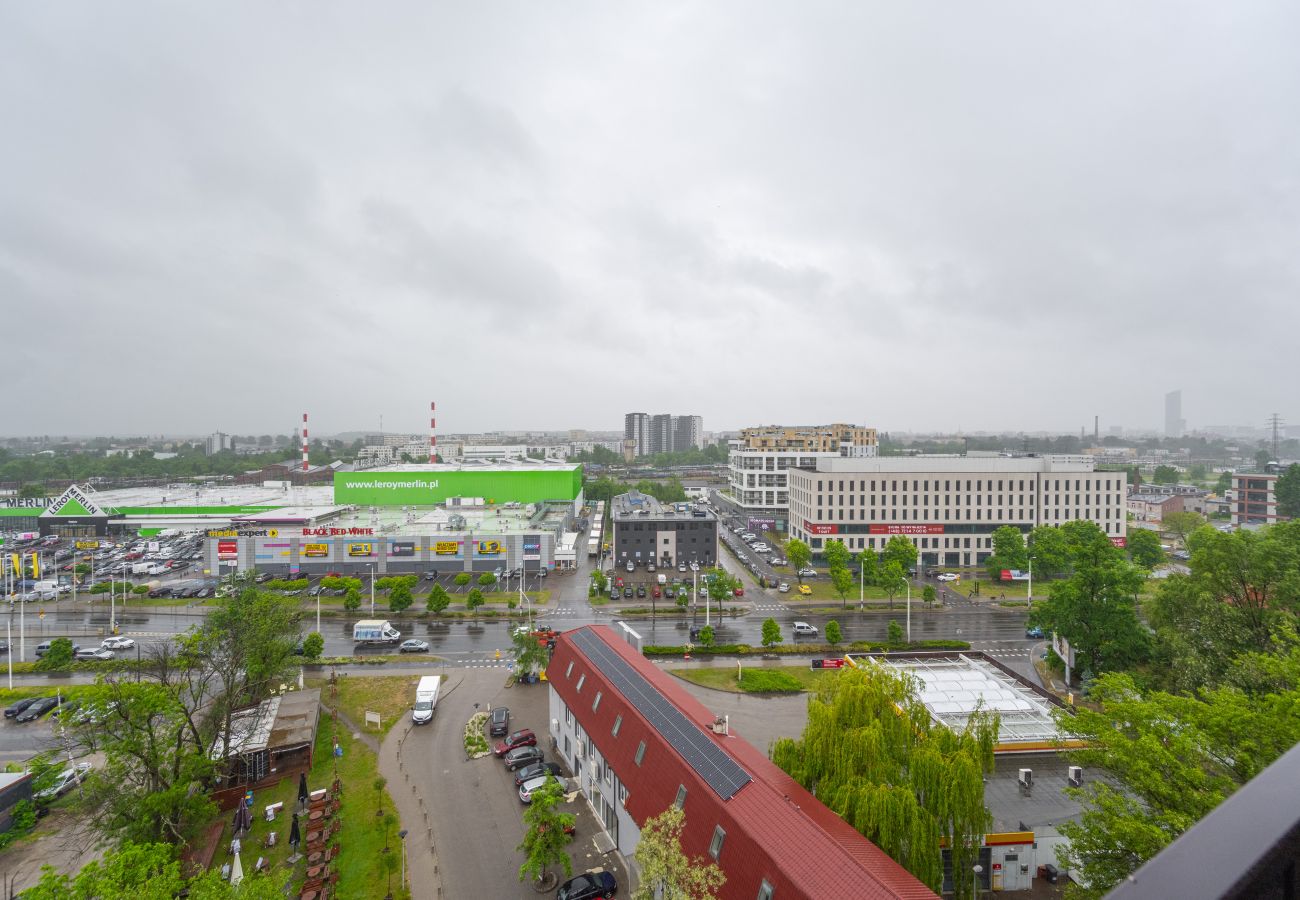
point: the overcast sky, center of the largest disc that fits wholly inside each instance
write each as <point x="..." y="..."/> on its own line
<point x="908" y="215"/>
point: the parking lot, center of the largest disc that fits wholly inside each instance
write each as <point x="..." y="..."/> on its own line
<point x="479" y="820"/>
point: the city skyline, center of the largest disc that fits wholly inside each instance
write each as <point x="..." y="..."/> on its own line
<point x="219" y="217"/>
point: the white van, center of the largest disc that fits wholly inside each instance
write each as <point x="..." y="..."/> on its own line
<point x="426" y="698"/>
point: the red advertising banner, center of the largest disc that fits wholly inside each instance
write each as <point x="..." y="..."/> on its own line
<point x="227" y="549"/>
<point x="906" y="529"/>
<point x="820" y="529"/>
<point x="1119" y="541"/>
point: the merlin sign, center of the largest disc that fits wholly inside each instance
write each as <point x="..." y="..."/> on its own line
<point x="73" y="502"/>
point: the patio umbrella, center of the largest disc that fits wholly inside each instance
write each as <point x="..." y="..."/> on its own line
<point x="295" y="836"/>
<point x="236" y="872"/>
<point x="241" y="823"/>
<point x="302" y="789"/>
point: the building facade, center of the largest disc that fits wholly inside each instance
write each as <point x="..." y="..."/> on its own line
<point x="1148" y="507"/>
<point x="638" y="744"/>
<point x="649" y="532"/>
<point x="759" y="462"/>
<point x="1174" y="422"/>
<point x="1253" y="500"/>
<point x="662" y="433"/>
<point x="949" y="507"/>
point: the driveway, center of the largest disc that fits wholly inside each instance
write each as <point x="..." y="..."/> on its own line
<point x="475" y="812"/>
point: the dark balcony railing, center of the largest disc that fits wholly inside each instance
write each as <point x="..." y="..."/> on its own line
<point x="1249" y="847"/>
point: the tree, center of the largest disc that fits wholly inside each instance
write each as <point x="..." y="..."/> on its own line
<point x="313" y="645"/>
<point x="399" y="598"/>
<point x="532" y="652"/>
<point x="149" y="871"/>
<point x="900" y="550"/>
<point x="1144" y="548"/>
<point x="352" y="599"/>
<point x="868" y="566"/>
<point x="873" y="754"/>
<point x="600" y="581"/>
<point x="544" y="836"/>
<point x="1254" y="572"/>
<point x="487" y="579"/>
<point x="438" y="599"/>
<point x="798" y="553"/>
<point x="835" y="554"/>
<point x="474" y="600"/>
<point x="843" y="582"/>
<point x="894" y="633"/>
<point x="1165" y="475"/>
<point x="771" y="633"/>
<point x="462" y="579"/>
<point x="58" y="656"/>
<point x="1287" y="490"/>
<point x="707" y="636"/>
<point x="31" y="490"/>
<point x="1009" y="552"/>
<point x="928" y="595"/>
<point x="1049" y="552"/>
<point x="1095" y="608"/>
<point x="1182" y="524"/>
<point x="893" y="578"/>
<point x="1224" y="483"/>
<point x="833" y="635"/>
<point x="666" y="871"/>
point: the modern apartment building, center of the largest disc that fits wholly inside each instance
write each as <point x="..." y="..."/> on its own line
<point x="662" y="433"/>
<point x="760" y="459"/>
<point x="1253" y="500"/>
<point x="1174" y="421"/>
<point x="649" y="532"/>
<point x="949" y="506"/>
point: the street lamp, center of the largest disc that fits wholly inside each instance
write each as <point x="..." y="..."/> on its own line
<point x="975" y="879"/>
<point x="402" y="834"/>
<point x="372" y="590"/>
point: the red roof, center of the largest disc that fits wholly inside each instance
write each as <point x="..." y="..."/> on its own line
<point x="775" y="830"/>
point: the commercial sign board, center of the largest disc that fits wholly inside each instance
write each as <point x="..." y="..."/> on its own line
<point x="401" y="548"/>
<point x="360" y="549"/>
<point x="447" y="548"/>
<point x="905" y="529"/>
<point x="338" y="532"/>
<point x="87" y="545"/>
<point x="1014" y="575"/>
<point x="407" y="488"/>
<point x="820" y="529"/>
<point x="490" y="548"/>
<point x="757" y="525"/>
<point x="73" y="502"/>
<point x="24" y="502"/>
<point x="1119" y="541"/>
<point x="227" y="549"/>
<point x="243" y="532"/>
<point x="315" y="549"/>
<point x="828" y="663"/>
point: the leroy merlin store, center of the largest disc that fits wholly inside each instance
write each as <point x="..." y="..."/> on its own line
<point x="415" y="518"/>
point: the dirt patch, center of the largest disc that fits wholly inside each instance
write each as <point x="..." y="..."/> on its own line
<point x="61" y="840"/>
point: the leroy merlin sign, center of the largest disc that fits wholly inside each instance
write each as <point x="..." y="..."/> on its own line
<point x="416" y="488"/>
<point x="73" y="502"/>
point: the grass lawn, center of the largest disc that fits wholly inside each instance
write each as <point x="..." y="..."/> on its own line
<point x="724" y="678"/>
<point x="389" y="695"/>
<point x="361" y="837"/>
<point x="823" y="590"/>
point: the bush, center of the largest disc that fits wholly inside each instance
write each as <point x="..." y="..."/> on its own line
<point x="895" y="633"/>
<point x="281" y="584"/>
<point x="487" y="579"/>
<point x="706" y="636"/>
<point x="313" y="645"/>
<point x="24" y="819"/>
<point x="462" y="579"/>
<point x="474" y="600"/>
<point x="59" y="656"/>
<point x="102" y="587"/>
<point x="352" y="600"/>
<point x="140" y="590"/>
<point x="476" y="744"/>
<point x="769" y="681"/>
<point x="400" y="598"/>
<point x="833" y="635"/>
<point x="438" y="599"/>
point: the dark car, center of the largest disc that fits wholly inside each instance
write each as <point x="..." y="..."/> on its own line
<point x="13" y="711"/>
<point x="640" y="590"/>
<point x="536" y="770"/>
<point x="36" y="710"/>
<point x="588" y="886"/>
<point x="524" y="737"/>
<point x="522" y="756"/>
<point x="627" y="592"/>
<point x="1033" y="632"/>
<point x="499" y="722"/>
<point x="430" y="576"/>
<point x="263" y="577"/>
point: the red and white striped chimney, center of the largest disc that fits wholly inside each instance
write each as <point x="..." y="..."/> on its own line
<point x="304" y="442"/>
<point x="433" y="436"/>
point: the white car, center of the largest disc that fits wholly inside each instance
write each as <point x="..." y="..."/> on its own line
<point x="804" y="628"/>
<point x="784" y="587"/>
<point x="807" y="573"/>
<point x="528" y="787"/>
<point x="117" y="643"/>
<point x="946" y="576"/>
<point x="64" y="782"/>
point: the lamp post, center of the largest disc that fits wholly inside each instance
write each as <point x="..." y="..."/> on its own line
<point x="975" y="879"/>
<point x="372" y="590"/>
<point x="402" y="834"/>
<point x="909" y="609"/>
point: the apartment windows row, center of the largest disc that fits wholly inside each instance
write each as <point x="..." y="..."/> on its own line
<point x="956" y="499"/>
<point x="955" y="515"/>
<point x="977" y="484"/>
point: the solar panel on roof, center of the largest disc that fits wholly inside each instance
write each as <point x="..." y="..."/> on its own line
<point x="710" y="762"/>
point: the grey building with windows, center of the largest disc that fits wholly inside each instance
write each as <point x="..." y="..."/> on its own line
<point x="647" y="531"/>
<point x="662" y="433"/>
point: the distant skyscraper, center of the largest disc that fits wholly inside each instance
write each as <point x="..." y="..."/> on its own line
<point x="1174" y="422"/>
<point x="663" y="433"/>
<point x="636" y="427"/>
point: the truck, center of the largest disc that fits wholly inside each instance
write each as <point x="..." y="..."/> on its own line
<point x="426" y="698"/>
<point x="375" y="631"/>
<point x="141" y="568"/>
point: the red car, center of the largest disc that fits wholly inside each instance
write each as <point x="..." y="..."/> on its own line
<point x="618" y="582"/>
<point x="657" y="593"/>
<point x="740" y="592"/>
<point x="522" y="738"/>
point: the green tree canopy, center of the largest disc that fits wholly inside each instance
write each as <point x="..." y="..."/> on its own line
<point x="1050" y="552"/>
<point x="868" y="566"/>
<point x="1287" y="491"/>
<point x="798" y="553"/>
<point x="665" y="869"/>
<point x="771" y="633"/>
<point x="900" y="550"/>
<point x="461" y="579"/>
<point x="873" y="754"/>
<point x="1144" y="548"/>
<point x="833" y="635"/>
<point x="544" y="838"/>
<point x="835" y="553"/>
<point x="438" y="599"/>
<point x="474" y="599"/>
<point x="893" y="578"/>
<point x="1182" y="524"/>
<point x="313" y="645"/>
<point x="400" y="598"/>
<point x="1009" y="552"/>
<point x="843" y="581"/>
<point x="1165" y="475"/>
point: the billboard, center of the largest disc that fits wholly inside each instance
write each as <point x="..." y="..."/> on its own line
<point x="906" y="529"/>
<point x="227" y="549"/>
<point x="401" y="548"/>
<point x="447" y="548"/>
<point x="758" y="525"/>
<point x="317" y="550"/>
<point x="87" y="545"/>
<point x="821" y="529"/>
<point x="430" y="488"/>
<point x="490" y="548"/>
<point x="360" y="549"/>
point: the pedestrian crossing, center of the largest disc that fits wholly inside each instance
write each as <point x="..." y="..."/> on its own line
<point x="563" y="611"/>
<point x="1008" y="654"/>
<point x="489" y="664"/>
<point x="770" y="607"/>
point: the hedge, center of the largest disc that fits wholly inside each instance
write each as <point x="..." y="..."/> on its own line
<point x="804" y="649"/>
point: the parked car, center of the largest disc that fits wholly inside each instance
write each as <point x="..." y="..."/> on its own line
<point x="670" y="592"/>
<point x="783" y="587"/>
<point x="14" y="710"/>
<point x="44" y="647"/>
<point x="536" y="770"/>
<point x="627" y="592"/>
<point x="640" y="590"/>
<point x="522" y="756"/>
<point x="631" y="567"/>
<point x="804" y="628"/>
<point x="805" y="590"/>
<point x="37" y="709"/>
<point x="65" y="781"/>
<point x="94" y="653"/>
<point x="681" y="567"/>
<point x="499" y="721"/>
<point x="1033" y="631"/>
<point x="656" y="593"/>
<point x="524" y="737"/>
<point x="947" y="576"/>
<point x="739" y="592"/>
<point x="526" y="789"/>
<point x="414" y="645"/>
<point x="588" y="886"/>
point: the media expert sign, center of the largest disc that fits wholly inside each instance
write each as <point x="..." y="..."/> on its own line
<point x="447" y="548"/>
<point x="401" y="548"/>
<point x="244" y="532"/>
<point x="360" y="549"/>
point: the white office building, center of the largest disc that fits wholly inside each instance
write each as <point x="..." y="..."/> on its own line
<point x="949" y="506"/>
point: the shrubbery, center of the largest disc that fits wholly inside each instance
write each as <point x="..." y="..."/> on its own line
<point x="769" y="681"/>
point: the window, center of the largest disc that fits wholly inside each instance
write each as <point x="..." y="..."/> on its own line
<point x="715" y="846"/>
<point x="569" y="670"/>
<point x="595" y="703"/>
<point x="580" y="683"/>
<point x="618" y="723"/>
<point x="765" y="890"/>
<point x="681" y="796"/>
<point x="568" y="716"/>
<point x="640" y="752"/>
